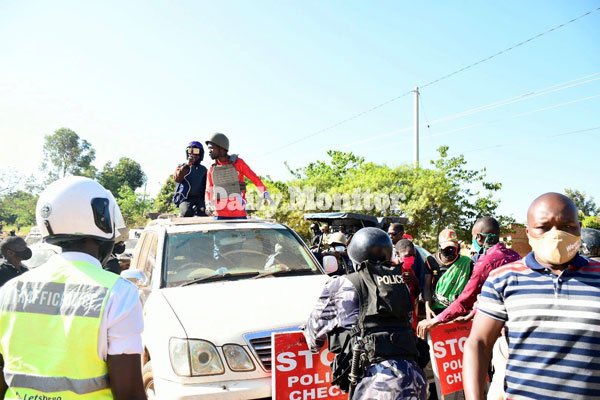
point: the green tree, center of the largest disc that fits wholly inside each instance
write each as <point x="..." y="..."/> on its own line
<point x="133" y="206"/>
<point x="65" y="153"/>
<point x="586" y="205"/>
<point x="448" y="194"/>
<point x="126" y="172"/>
<point x="163" y="203"/>
<point x="18" y="208"/>
<point x="591" y="221"/>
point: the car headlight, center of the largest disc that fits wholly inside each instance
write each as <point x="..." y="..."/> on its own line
<point x="237" y="358"/>
<point x="191" y="357"/>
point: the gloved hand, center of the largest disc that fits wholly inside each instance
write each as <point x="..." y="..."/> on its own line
<point x="268" y="198"/>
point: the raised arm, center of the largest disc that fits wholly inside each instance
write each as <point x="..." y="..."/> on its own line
<point x="478" y="353"/>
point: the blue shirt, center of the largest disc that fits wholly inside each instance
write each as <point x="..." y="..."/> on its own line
<point x="553" y="324"/>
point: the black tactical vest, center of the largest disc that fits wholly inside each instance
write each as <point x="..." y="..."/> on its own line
<point x="383" y="321"/>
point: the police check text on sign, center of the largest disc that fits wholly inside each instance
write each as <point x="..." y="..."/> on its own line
<point x="299" y="374"/>
<point x="446" y="343"/>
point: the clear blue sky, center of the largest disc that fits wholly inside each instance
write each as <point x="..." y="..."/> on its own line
<point x="141" y="79"/>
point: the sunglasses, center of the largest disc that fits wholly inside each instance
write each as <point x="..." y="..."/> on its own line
<point x="193" y="150"/>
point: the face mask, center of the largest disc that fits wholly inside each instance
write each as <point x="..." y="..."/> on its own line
<point x="449" y="254"/>
<point x="340" y="249"/>
<point x="407" y="263"/>
<point x="476" y="246"/>
<point x="555" y="247"/>
<point x="24" y="255"/>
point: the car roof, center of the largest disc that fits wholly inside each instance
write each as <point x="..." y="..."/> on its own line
<point x="191" y="224"/>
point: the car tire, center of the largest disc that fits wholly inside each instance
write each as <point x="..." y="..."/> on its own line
<point x="148" y="380"/>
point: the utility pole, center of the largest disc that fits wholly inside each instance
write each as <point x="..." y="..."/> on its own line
<point x="416" y="149"/>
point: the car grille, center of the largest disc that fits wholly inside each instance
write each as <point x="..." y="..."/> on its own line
<point x="262" y="349"/>
<point x="260" y="344"/>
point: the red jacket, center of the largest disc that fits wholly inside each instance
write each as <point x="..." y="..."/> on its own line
<point x="231" y="206"/>
<point x="494" y="257"/>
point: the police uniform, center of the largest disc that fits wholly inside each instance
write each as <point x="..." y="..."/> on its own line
<point x="65" y="317"/>
<point x="392" y="372"/>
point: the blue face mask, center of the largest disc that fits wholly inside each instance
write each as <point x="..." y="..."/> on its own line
<point x="476" y="246"/>
<point x="490" y="238"/>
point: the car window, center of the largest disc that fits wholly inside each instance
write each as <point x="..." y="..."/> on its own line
<point x="193" y="255"/>
<point x="139" y="259"/>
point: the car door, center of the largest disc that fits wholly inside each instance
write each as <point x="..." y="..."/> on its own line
<point x="146" y="261"/>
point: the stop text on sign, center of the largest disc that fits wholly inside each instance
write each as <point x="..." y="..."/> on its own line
<point x="299" y="374"/>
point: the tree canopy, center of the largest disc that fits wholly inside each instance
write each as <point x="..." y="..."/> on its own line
<point x="65" y="153"/>
<point x="586" y="205"/>
<point x="126" y="172"/>
<point x="447" y="194"/>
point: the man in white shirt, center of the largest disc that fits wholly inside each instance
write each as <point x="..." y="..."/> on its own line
<point x="78" y="326"/>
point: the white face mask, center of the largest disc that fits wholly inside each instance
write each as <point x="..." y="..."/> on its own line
<point x="555" y="247"/>
<point x="339" y="249"/>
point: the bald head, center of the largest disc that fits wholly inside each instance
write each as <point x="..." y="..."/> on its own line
<point x="552" y="210"/>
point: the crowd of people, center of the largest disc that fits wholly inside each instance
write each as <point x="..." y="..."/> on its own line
<point x="535" y="319"/>
<point x="537" y="315"/>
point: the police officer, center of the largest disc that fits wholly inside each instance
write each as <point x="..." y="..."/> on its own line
<point x="191" y="182"/>
<point x="367" y="314"/>
<point x="15" y="251"/>
<point x="69" y="329"/>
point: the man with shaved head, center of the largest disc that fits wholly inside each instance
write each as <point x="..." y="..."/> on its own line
<point x="549" y="303"/>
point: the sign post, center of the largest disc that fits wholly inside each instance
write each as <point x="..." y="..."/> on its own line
<point x="299" y="374"/>
<point x="446" y="345"/>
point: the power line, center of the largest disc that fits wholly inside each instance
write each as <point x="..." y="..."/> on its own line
<point x="539" y="35"/>
<point x="499" y="103"/>
<point x="504" y="144"/>
<point x="458" y="71"/>
<point x="518" y="115"/>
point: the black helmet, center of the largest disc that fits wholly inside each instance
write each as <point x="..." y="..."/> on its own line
<point x="590" y="242"/>
<point x="372" y="245"/>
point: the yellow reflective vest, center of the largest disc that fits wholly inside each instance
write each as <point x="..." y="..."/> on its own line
<point x="49" y="325"/>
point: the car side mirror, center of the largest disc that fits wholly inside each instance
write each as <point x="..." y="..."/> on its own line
<point x="330" y="264"/>
<point x="134" y="275"/>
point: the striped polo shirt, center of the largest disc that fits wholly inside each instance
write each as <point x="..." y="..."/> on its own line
<point x="553" y="324"/>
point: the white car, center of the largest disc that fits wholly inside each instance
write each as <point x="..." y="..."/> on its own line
<point x="40" y="253"/>
<point x="213" y="292"/>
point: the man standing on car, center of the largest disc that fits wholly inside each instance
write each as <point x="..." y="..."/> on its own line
<point x="14" y="250"/>
<point x="191" y="182"/>
<point x="226" y="187"/>
<point x="68" y="328"/>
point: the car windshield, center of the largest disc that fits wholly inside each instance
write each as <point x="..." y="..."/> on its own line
<point x="191" y="256"/>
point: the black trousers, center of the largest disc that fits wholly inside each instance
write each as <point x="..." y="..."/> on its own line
<point x="192" y="207"/>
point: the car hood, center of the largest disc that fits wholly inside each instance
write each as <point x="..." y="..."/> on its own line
<point x="221" y="312"/>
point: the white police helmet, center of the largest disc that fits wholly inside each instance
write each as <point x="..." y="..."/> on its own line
<point x="75" y="207"/>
